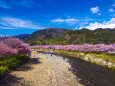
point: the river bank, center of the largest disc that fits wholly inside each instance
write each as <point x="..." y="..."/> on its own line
<point x="99" y="59"/>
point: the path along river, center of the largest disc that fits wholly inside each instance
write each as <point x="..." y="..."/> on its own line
<point x="48" y="69"/>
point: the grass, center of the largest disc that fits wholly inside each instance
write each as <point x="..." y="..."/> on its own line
<point x="11" y="62"/>
<point x="104" y="56"/>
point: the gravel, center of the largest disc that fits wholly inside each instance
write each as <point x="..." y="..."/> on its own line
<point x="43" y="70"/>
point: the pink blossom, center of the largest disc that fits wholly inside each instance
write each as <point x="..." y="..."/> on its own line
<point x="13" y="46"/>
<point x="83" y="48"/>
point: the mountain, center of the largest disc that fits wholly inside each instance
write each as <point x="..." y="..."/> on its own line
<point x="45" y="36"/>
<point x="21" y="36"/>
<point x="4" y="36"/>
<point x="97" y="36"/>
<point x="62" y="36"/>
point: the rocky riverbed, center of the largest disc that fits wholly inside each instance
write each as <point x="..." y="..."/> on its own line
<point x="43" y="69"/>
<point x="48" y="69"/>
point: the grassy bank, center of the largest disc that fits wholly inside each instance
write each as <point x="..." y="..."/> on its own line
<point x="11" y="62"/>
<point x="106" y="60"/>
<point x="109" y="57"/>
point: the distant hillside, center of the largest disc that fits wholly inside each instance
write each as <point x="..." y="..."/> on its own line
<point x="46" y="36"/>
<point x="68" y="36"/>
<point x="97" y="36"/>
<point x="21" y="36"/>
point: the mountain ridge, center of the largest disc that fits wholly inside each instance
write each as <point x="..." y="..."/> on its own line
<point x="63" y="36"/>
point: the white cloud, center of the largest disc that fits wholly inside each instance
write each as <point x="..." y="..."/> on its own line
<point x="83" y="22"/>
<point x="79" y="28"/>
<point x="95" y="9"/>
<point x="99" y="14"/>
<point x="5" y="27"/>
<point x="105" y="24"/>
<point x="57" y="20"/>
<point x="4" y="5"/>
<point x="76" y="28"/>
<point x="111" y="10"/>
<point x="64" y="20"/>
<point x="9" y="22"/>
<point x="70" y="21"/>
<point x="114" y="5"/>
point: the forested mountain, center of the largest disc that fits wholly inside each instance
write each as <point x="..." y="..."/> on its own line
<point x="46" y="36"/>
<point x="62" y="36"/>
<point x="97" y="36"/>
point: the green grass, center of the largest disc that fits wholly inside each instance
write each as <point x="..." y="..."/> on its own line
<point x="104" y="56"/>
<point x="11" y="62"/>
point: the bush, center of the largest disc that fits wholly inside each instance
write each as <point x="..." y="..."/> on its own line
<point x="6" y="50"/>
<point x="12" y="62"/>
<point x="15" y="51"/>
<point x="3" y="69"/>
<point x="12" y="46"/>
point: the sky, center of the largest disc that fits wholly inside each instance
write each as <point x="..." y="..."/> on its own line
<point x="27" y="16"/>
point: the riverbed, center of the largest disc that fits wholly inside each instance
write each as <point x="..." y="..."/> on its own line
<point x="49" y="69"/>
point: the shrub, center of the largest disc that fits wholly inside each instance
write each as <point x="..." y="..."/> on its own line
<point x="13" y="46"/>
<point x="3" y="69"/>
<point x="15" y="51"/>
<point x="12" y="62"/>
<point x="6" y="50"/>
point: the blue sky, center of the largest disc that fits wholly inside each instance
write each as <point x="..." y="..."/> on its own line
<point x="27" y="16"/>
